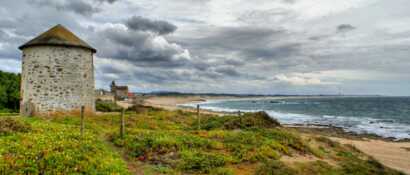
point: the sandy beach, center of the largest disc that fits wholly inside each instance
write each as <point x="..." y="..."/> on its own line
<point x="393" y="154"/>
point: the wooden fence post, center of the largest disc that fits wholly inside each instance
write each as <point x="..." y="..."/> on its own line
<point x="82" y="120"/>
<point x="122" y="127"/>
<point x="239" y="115"/>
<point x="199" y="117"/>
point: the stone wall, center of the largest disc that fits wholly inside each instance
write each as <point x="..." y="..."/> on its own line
<point x="57" y="78"/>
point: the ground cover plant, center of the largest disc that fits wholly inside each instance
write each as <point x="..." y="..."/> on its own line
<point x="158" y="141"/>
<point x="36" y="146"/>
<point x="171" y="142"/>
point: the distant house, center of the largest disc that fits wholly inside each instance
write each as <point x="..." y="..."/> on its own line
<point x="103" y="95"/>
<point x="119" y="92"/>
<point x="131" y="95"/>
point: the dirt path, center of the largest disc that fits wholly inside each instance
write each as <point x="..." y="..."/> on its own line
<point x="392" y="154"/>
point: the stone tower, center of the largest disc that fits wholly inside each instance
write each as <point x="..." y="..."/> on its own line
<point x="57" y="73"/>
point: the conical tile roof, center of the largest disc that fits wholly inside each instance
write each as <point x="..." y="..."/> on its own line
<point x="58" y="36"/>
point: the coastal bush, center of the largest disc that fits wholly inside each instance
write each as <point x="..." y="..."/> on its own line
<point x="286" y="138"/>
<point x="200" y="161"/>
<point x="106" y="106"/>
<point x="221" y="171"/>
<point x="316" y="168"/>
<point x="252" y="120"/>
<point x="246" y="121"/>
<point x="354" y="165"/>
<point x="9" y="126"/>
<point x="275" y="168"/>
<point x="142" y="108"/>
<point x="143" y="142"/>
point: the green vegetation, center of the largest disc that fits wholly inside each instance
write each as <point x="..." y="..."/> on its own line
<point x="9" y="92"/>
<point x="41" y="147"/>
<point x="106" y="106"/>
<point x="10" y="126"/>
<point x="169" y="142"/>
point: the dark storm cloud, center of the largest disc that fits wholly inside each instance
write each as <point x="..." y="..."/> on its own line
<point x="6" y="24"/>
<point x="79" y="7"/>
<point x="82" y="7"/>
<point x="140" y="48"/>
<point x="3" y="35"/>
<point x="275" y="52"/>
<point x="243" y="36"/>
<point x="109" y="1"/>
<point x="345" y="28"/>
<point x="248" y="43"/>
<point x="228" y="71"/>
<point x="234" y="39"/>
<point x="142" y="44"/>
<point x="244" y="48"/>
<point x="143" y="24"/>
<point x="233" y="62"/>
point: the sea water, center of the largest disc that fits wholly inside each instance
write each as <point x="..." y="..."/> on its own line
<point x="384" y="116"/>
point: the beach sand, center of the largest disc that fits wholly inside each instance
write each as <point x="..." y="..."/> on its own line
<point x="172" y="102"/>
<point x="393" y="154"/>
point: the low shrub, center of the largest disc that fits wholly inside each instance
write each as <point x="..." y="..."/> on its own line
<point x="252" y="120"/>
<point x="200" y="161"/>
<point x="221" y="171"/>
<point x="106" y="106"/>
<point x="246" y="121"/>
<point x="275" y="168"/>
<point x="356" y="166"/>
<point x="10" y="125"/>
<point x="142" y="142"/>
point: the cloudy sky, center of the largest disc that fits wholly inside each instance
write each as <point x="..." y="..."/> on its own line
<point x="229" y="46"/>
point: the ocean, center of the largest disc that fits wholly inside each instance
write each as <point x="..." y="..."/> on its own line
<point x="387" y="117"/>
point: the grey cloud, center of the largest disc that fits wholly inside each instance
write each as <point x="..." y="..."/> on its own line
<point x="228" y="71"/>
<point x="345" y="28"/>
<point x="233" y="62"/>
<point x="275" y="52"/>
<point x="142" y="48"/>
<point x="143" y="24"/>
<point x="82" y="7"/>
<point x="109" y="1"/>
<point x="247" y="43"/>
<point x="289" y="1"/>
<point x="245" y="53"/>
<point x="3" y="35"/>
<point x="233" y="39"/>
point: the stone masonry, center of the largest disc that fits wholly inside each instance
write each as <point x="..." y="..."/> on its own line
<point x="56" y="78"/>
